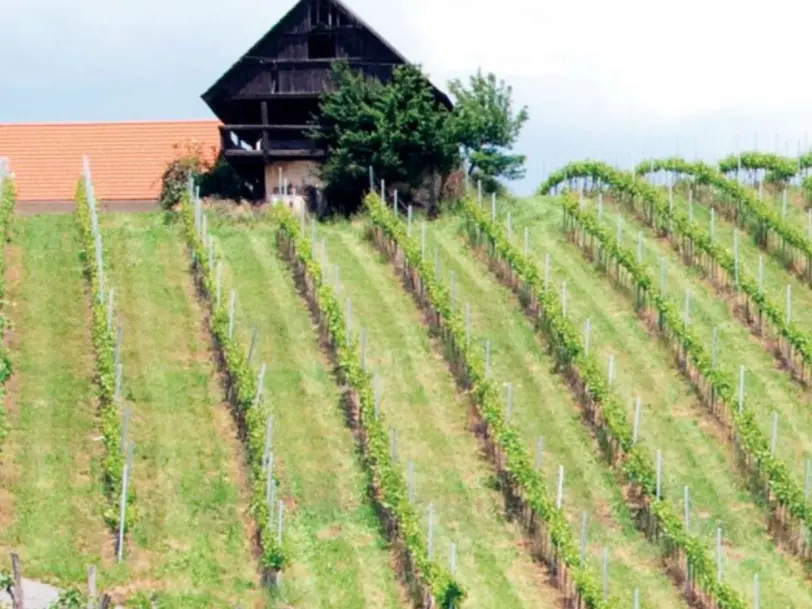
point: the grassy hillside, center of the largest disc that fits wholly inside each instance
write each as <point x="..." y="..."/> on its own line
<point x="419" y="399"/>
<point x="51" y="500"/>
<point x="768" y="388"/>
<point x="543" y="406"/>
<point x="191" y="538"/>
<point x="776" y="276"/>
<point x="340" y="558"/>
<point x="695" y="451"/>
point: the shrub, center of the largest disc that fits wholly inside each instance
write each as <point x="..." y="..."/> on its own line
<point x="219" y="180"/>
<point x="174" y="181"/>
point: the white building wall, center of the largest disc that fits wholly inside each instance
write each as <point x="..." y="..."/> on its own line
<point x="298" y="174"/>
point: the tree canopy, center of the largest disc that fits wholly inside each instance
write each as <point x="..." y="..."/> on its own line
<point x="398" y="129"/>
<point x="407" y="137"/>
<point x="486" y="127"/>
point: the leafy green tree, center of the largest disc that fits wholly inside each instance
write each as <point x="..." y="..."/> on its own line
<point x="418" y="130"/>
<point x="347" y="128"/>
<point x="398" y="129"/>
<point x="486" y="126"/>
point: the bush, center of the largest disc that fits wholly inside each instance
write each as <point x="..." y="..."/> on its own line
<point x="220" y="180"/>
<point x="175" y="178"/>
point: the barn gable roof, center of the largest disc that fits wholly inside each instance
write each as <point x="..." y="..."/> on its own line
<point x="281" y="27"/>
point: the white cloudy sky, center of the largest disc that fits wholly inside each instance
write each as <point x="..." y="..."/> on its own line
<point x="615" y="80"/>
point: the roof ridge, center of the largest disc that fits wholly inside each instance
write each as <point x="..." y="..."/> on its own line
<point x="119" y="122"/>
<point x="340" y="4"/>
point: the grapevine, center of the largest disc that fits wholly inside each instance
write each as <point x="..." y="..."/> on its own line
<point x="758" y="216"/>
<point x="243" y="382"/>
<point x="103" y="345"/>
<point x="784" y="494"/>
<point x="515" y="458"/>
<point x="435" y="582"/>
<point x="8" y="198"/>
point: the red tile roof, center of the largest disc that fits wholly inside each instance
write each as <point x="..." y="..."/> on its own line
<point x="126" y="158"/>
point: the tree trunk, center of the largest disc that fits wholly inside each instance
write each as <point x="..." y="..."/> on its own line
<point x="434" y="207"/>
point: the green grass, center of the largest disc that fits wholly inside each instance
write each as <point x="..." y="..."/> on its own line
<point x="768" y="388"/>
<point x="51" y="500"/>
<point x="419" y="399"/>
<point x="191" y="538"/>
<point x="695" y="452"/>
<point x="776" y="276"/>
<point x="796" y="214"/>
<point x="544" y="406"/>
<point x="191" y="541"/>
<point x="340" y="559"/>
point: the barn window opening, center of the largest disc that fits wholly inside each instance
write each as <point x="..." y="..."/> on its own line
<point x="321" y="46"/>
<point x="320" y="13"/>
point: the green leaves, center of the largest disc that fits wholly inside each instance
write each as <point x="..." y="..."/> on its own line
<point x="486" y="126"/>
<point x="8" y="197"/>
<point x="517" y="462"/>
<point x="417" y="127"/>
<point x="406" y="135"/>
<point x="243" y="389"/>
<point x="399" y="129"/>
<point x="6" y="580"/>
<point x="801" y="342"/>
<point x="103" y="346"/>
<point x="758" y="216"/>
<point x="634" y="461"/>
<point x="779" y="168"/>
<point x="783" y="493"/>
<point x="386" y="477"/>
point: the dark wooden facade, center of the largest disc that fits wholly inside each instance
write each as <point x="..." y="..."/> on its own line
<point x="266" y="99"/>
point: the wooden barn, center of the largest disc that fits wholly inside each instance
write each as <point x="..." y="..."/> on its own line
<point x="266" y="99"/>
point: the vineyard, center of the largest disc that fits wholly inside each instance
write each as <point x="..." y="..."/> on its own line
<point x="595" y="397"/>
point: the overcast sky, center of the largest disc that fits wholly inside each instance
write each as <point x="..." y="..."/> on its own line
<point x="614" y="80"/>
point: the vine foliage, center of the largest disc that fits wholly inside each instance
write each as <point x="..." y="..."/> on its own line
<point x="242" y="381"/>
<point x="436" y="584"/>
<point x="780" y="169"/>
<point x="8" y="197"/>
<point x="800" y="343"/>
<point x="759" y="217"/>
<point x="783" y="493"/>
<point x="103" y="346"/>
<point x="663" y="523"/>
<point x="514" y="456"/>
